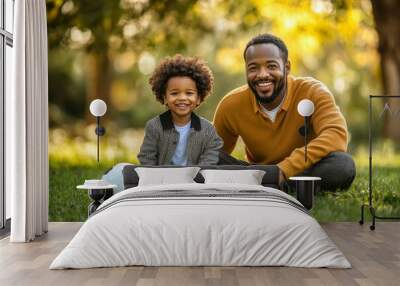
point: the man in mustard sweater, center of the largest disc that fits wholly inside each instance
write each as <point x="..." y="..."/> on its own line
<point x="264" y="114"/>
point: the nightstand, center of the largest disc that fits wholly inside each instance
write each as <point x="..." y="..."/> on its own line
<point x="98" y="191"/>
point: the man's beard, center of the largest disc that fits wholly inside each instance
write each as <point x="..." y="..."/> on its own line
<point x="275" y="93"/>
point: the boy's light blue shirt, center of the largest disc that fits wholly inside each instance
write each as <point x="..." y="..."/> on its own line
<point x="180" y="156"/>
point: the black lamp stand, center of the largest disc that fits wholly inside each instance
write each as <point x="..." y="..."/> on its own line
<point x="303" y="130"/>
<point x="100" y="131"/>
<point x="306" y="121"/>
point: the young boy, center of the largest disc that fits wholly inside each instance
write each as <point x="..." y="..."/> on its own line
<point x="178" y="136"/>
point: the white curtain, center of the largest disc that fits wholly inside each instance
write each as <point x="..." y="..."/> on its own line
<point x="27" y="124"/>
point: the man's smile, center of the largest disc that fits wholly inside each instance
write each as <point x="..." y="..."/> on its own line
<point x="265" y="86"/>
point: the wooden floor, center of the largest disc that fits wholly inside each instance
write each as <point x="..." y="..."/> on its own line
<point x="374" y="255"/>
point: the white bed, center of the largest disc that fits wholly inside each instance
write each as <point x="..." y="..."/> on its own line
<point x="222" y="225"/>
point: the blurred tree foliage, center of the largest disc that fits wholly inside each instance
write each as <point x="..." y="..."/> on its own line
<point x="107" y="49"/>
<point x="387" y="19"/>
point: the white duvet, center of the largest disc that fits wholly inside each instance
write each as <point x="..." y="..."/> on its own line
<point x="183" y="231"/>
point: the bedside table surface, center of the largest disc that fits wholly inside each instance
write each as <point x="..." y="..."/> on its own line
<point x="86" y="187"/>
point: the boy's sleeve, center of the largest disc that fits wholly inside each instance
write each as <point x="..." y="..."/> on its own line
<point x="148" y="154"/>
<point x="210" y="156"/>
<point x="224" y="128"/>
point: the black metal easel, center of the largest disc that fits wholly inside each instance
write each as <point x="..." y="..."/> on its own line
<point x="372" y="210"/>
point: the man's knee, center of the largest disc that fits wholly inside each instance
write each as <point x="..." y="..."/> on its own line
<point x="345" y="168"/>
<point x="337" y="171"/>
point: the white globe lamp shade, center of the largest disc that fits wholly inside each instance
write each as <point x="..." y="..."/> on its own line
<point x="98" y="107"/>
<point x="305" y="107"/>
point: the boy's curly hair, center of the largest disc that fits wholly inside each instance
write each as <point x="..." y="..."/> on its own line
<point x="179" y="65"/>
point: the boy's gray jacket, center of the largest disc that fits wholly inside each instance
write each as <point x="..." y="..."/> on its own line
<point x="161" y="139"/>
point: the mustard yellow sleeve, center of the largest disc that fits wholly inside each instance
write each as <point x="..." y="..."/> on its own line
<point x="330" y="128"/>
<point x="223" y="124"/>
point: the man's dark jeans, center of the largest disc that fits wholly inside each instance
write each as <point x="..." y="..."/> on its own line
<point x="337" y="170"/>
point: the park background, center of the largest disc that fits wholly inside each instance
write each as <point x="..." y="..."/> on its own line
<point x="108" y="49"/>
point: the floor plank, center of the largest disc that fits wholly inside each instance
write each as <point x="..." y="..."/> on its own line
<point x="374" y="255"/>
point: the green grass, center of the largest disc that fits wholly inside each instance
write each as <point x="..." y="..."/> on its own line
<point x="66" y="202"/>
<point x="72" y="157"/>
<point x="345" y="206"/>
<point x="69" y="204"/>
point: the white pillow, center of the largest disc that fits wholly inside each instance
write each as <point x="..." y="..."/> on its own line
<point x="166" y="176"/>
<point x="249" y="177"/>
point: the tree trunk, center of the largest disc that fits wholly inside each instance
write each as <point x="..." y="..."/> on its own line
<point x="387" y="22"/>
<point x="98" y="85"/>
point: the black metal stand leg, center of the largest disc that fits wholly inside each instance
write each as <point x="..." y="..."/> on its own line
<point x="361" y="221"/>
<point x="372" y="210"/>
<point x="374" y="216"/>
